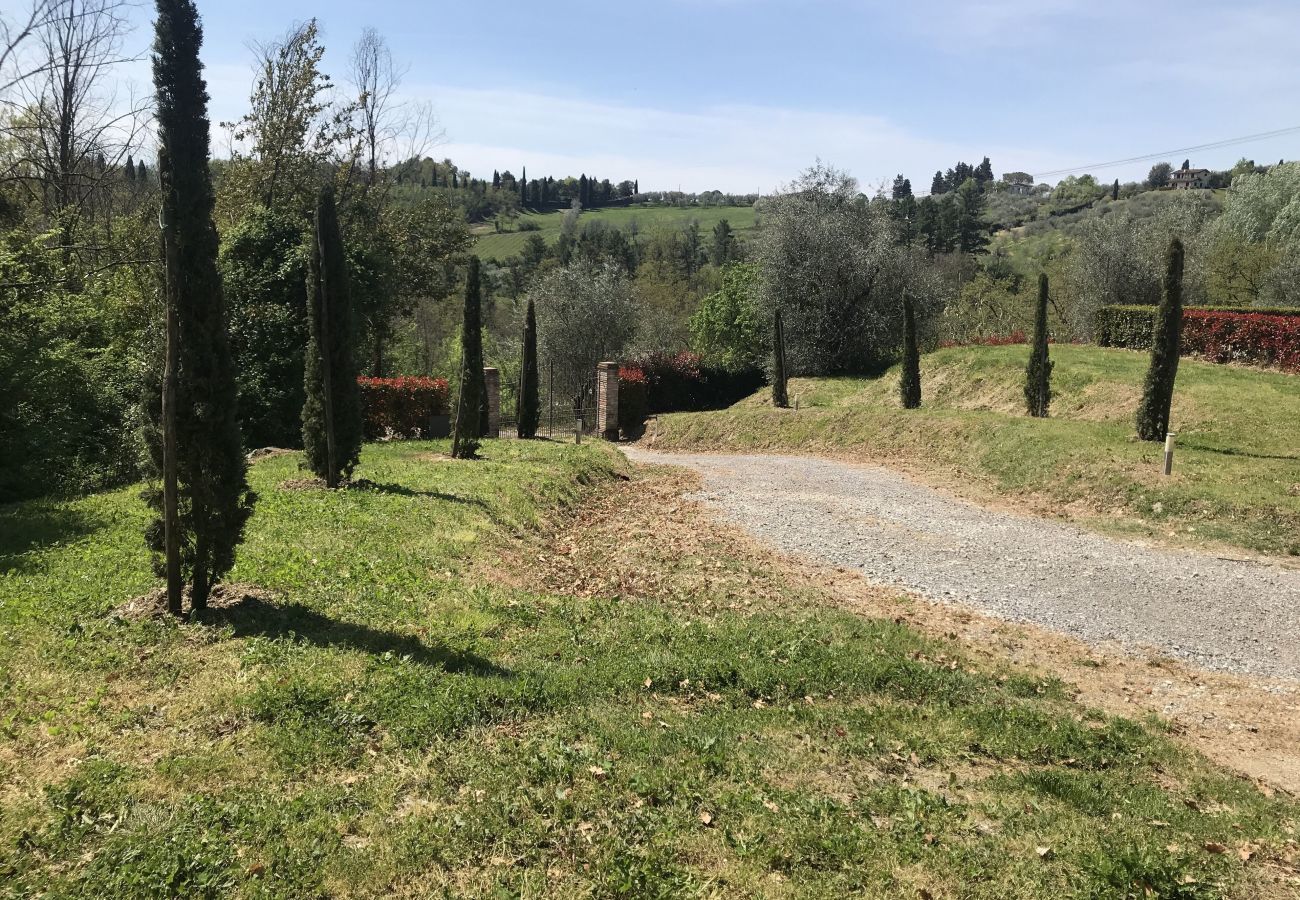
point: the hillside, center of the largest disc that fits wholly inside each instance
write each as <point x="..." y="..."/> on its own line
<point x="1237" y="475"/>
<point x="647" y="219"/>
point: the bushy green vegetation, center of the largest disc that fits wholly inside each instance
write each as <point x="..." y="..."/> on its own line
<point x="1235" y="473"/>
<point x="390" y="721"/>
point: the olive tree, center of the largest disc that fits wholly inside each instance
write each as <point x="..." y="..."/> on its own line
<point x="586" y="314"/>
<point x="832" y="262"/>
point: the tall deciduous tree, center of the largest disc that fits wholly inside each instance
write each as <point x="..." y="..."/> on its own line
<point x="206" y="470"/>
<point x="1038" y="374"/>
<point x="909" y="382"/>
<point x="468" y="430"/>
<point x="1158" y="393"/>
<point x="529" y="382"/>
<point x="331" y="417"/>
<point x="780" y="388"/>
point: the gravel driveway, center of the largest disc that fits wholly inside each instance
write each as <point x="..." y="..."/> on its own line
<point x="1221" y="614"/>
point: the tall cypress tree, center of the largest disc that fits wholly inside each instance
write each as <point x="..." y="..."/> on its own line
<point x="331" y="416"/>
<point x="1158" y="393"/>
<point x="909" y="382"/>
<point x="530" y="412"/>
<point x="1038" y="374"/>
<point x="1114" y="190"/>
<point x="468" y="430"/>
<point x="205" y="474"/>
<point x="780" y="389"/>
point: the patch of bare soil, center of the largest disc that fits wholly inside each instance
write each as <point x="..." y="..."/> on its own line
<point x="153" y="605"/>
<point x="644" y="539"/>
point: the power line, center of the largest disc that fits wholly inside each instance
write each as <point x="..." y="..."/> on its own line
<point x="1214" y="145"/>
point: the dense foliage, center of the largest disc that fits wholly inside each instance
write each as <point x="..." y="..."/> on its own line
<point x="1266" y="337"/>
<point x="1038" y="374"/>
<point x="472" y="399"/>
<point x="909" y="381"/>
<point x="331" y="415"/>
<point x="402" y="407"/>
<point x="529" y="397"/>
<point x="214" y="498"/>
<point x="1158" y="391"/>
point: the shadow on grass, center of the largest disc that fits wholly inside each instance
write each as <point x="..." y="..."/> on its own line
<point x="403" y="491"/>
<point x="35" y="525"/>
<point x="1231" y="451"/>
<point x="255" y="616"/>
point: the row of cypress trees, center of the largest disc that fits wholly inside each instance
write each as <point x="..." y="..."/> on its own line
<point x="205" y="501"/>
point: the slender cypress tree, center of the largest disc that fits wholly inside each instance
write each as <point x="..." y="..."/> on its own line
<point x="209" y="495"/>
<point x="465" y="438"/>
<point x="530" y="412"/>
<point x="1038" y="375"/>
<point x="331" y="415"/>
<point x="909" y="383"/>
<point x="780" y="390"/>
<point x="1114" y="190"/>
<point x="1158" y="393"/>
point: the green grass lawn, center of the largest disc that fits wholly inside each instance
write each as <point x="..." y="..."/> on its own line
<point x="1237" y="470"/>
<point x="648" y="219"/>
<point x="411" y="713"/>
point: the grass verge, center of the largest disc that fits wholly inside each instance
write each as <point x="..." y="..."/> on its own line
<point x="1237" y="471"/>
<point x="461" y="689"/>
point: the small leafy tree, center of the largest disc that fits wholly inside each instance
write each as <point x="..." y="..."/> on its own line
<point x="1038" y="375"/>
<point x="909" y="384"/>
<point x="468" y="430"/>
<point x="331" y="416"/>
<point x="529" y="383"/>
<point x="780" y="392"/>
<point x="205" y="501"/>
<point x="1158" y="393"/>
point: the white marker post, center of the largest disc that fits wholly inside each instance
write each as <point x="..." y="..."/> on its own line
<point x="1169" y="452"/>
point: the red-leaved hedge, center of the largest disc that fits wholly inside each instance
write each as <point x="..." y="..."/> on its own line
<point x="1269" y="338"/>
<point x="1254" y="338"/>
<point x="402" y="407"/>
<point x="632" y="401"/>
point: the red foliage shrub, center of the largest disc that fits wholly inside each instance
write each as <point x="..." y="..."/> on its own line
<point x="989" y="340"/>
<point x="1244" y="337"/>
<point x="402" y="407"/>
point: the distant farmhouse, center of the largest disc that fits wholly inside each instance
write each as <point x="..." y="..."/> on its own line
<point x="1019" y="182"/>
<point x="1187" y="178"/>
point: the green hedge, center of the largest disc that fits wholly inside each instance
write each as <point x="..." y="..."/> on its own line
<point x="1131" y="327"/>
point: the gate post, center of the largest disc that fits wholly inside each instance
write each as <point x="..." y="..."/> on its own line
<point x="607" y="400"/>
<point x="492" y="381"/>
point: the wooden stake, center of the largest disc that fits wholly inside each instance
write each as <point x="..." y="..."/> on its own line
<point x="1169" y="452"/>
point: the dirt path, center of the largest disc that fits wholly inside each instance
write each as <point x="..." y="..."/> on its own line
<point x="1228" y="615"/>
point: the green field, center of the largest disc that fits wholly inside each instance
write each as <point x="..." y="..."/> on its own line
<point x="1237" y="475"/>
<point x="648" y="219"/>
<point x="406" y="707"/>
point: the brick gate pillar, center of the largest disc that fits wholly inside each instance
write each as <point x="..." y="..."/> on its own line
<point x="492" y="381"/>
<point x="607" y="400"/>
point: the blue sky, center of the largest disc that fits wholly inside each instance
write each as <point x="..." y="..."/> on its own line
<point x="742" y="94"/>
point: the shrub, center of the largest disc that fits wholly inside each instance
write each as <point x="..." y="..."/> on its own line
<point x="1267" y="337"/>
<point x="909" y="382"/>
<point x="679" y="382"/>
<point x="989" y="340"/>
<point x="402" y="407"/>
<point x="1158" y="392"/>
<point x="1038" y="374"/>
<point x="632" y="401"/>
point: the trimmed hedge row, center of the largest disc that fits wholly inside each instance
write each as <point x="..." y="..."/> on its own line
<point x="1269" y="337"/>
<point x="402" y="407"/>
<point x="678" y="382"/>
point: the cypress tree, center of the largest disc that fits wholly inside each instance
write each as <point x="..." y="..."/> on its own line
<point x="331" y="416"/>
<point x="468" y="430"/>
<point x="530" y="403"/>
<point x="1038" y="375"/>
<point x="1114" y="190"/>
<point x="205" y="501"/>
<point x="130" y="169"/>
<point x="909" y="383"/>
<point x="780" y="390"/>
<point x="1158" y="393"/>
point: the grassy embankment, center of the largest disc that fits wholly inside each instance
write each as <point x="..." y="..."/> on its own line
<point x="415" y="711"/>
<point x="648" y="219"/>
<point x="1237" y="470"/>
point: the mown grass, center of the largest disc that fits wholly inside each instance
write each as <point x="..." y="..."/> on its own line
<point x="648" y="220"/>
<point x="1237" y="468"/>
<point x="414" y="714"/>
